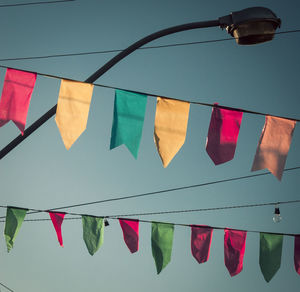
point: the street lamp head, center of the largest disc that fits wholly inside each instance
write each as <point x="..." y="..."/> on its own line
<point x="251" y="25"/>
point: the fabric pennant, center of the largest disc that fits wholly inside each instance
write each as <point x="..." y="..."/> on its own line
<point x="161" y="242"/>
<point x="297" y="254"/>
<point x="15" y="99"/>
<point x="129" y="114"/>
<point x="14" y="220"/>
<point x="93" y="232"/>
<point x="234" y="250"/>
<point x="223" y="134"/>
<point x="274" y="145"/>
<point x="130" y="230"/>
<point x="200" y="242"/>
<point x="171" y="120"/>
<point x="57" y="220"/>
<point x="72" y="112"/>
<point x="270" y="254"/>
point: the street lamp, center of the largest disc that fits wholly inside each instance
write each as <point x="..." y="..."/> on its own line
<point x="251" y="25"/>
<point x="248" y="26"/>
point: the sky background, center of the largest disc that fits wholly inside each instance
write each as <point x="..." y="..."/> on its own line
<point x="40" y="173"/>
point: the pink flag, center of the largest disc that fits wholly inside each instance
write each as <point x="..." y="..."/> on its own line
<point x="223" y="134"/>
<point x="274" y="145"/>
<point x="234" y="250"/>
<point x="57" y="220"/>
<point x="297" y="254"/>
<point x="15" y="98"/>
<point x="200" y="242"/>
<point x="130" y="230"/>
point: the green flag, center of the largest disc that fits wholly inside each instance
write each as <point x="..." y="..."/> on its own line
<point x="14" y="219"/>
<point x="93" y="231"/>
<point x="270" y="254"/>
<point x="129" y="114"/>
<point x="161" y="241"/>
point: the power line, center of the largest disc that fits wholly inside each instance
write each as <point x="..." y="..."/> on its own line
<point x="115" y="50"/>
<point x="34" y="211"/>
<point x="204" y="209"/>
<point x="142" y="48"/>
<point x="34" y="3"/>
<point x="168" y="190"/>
<point x="6" y="287"/>
<point x="178" y="211"/>
<point x="156" y="95"/>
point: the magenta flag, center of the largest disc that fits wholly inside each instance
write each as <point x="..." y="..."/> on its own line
<point x="16" y="94"/>
<point x="223" y="134"/>
<point x="200" y="242"/>
<point x="297" y="254"/>
<point x="57" y="220"/>
<point x="130" y="230"/>
<point x="234" y="250"/>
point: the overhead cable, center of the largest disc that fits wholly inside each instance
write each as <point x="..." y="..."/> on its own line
<point x="6" y="287"/>
<point x="142" y="48"/>
<point x="34" y="3"/>
<point x="158" y="192"/>
<point x="34" y="211"/>
<point x="204" y="209"/>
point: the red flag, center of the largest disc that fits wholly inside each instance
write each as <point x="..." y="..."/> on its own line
<point x="15" y="98"/>
<point x="57" y="220"/>
<point x="297" y="254"/>
<point x="223" y="134"/>
<point x="200" y="242"/>
<point x="130" y="230"/>
<point x="234" y="250"/>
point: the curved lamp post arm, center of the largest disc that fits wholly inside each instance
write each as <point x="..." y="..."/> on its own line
<point x="148" y="39"/>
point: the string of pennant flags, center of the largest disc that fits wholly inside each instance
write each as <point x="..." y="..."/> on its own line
<point x="170" y="126"/>
<point x="162" y="240"/>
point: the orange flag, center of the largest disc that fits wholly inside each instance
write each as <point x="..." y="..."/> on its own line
<point x="274" y="145"/>
<point x="170" y="127"/>
<point x="73" y="109"/>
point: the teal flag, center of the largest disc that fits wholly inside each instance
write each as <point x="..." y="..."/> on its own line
<point x="162" y="241"/>
<point x="93" y="231"/>
<point x="270" y="254"/>
<point x="129" y="114"/>
<point x="14" y="220"/>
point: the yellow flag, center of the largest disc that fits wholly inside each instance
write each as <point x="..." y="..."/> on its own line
<point x="73" y="109"/>
<point x="170" y="127"/>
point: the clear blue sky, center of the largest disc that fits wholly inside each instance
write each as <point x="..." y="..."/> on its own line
<point x="42" y="174"/>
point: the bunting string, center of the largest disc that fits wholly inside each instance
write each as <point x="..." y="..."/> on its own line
<point x="162" y="234"/>
<point x="174" y="223"/>
<point x="118" y="217"/>
<point x="156" y="95"/>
